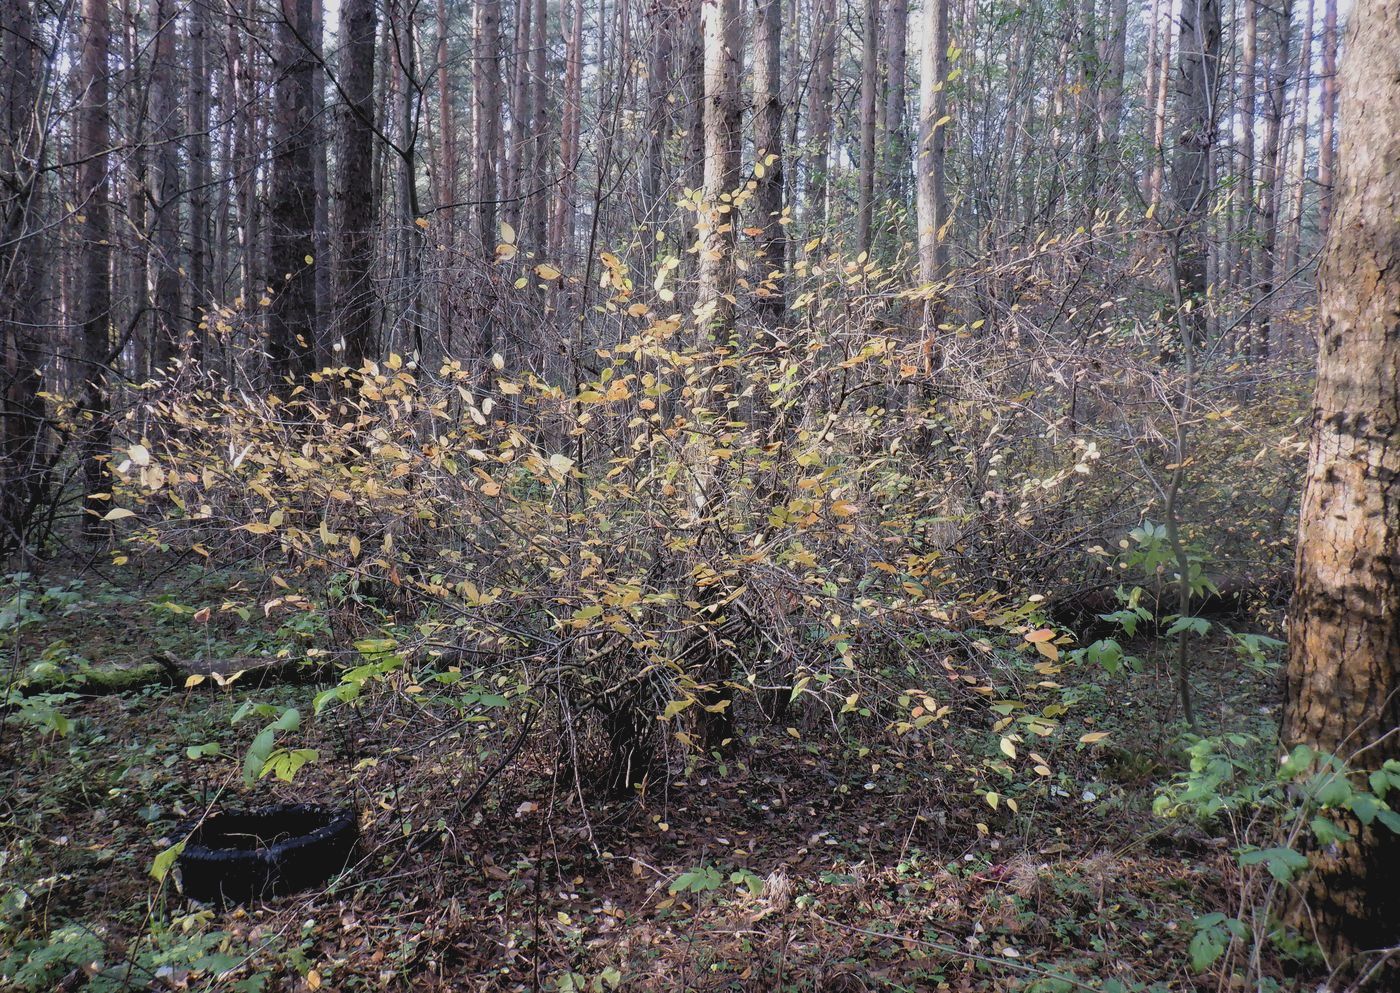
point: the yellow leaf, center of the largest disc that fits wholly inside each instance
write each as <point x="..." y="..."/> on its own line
<point x="139" y="455"/>
<point x="993" y="799"/>
<point x="118" y="514"/>
<point x="843" y="508"/>
<point x="1044" y="634"/>
<point x="193" y="680"/>
<point x="1008" y="748"/>
<point x="313" y="980"/>
<point x="547" y="271"/>
<point x="422" y="222"/>
<point x="1093" y="737"/>
<point x="507" y="233"/>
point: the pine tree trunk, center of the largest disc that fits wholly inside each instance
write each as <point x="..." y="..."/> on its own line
<point x="169" y="316"/>
<point x="1271" y="174"/>
<point x="1326" y="140"/>
<point x="770" y="248"/>
<point x="486" y="94"/>
<point x="292" y="315"/>
<point x="357" y="198"/>
<point x="94" y="291"/>
<point x="1344" y="630"/>
<point x="894" y="184"/>
<point x="1303" y="114"/>
<point x="869" y="85"/>
<point x="819" y="97"/>
<point x="929" y="163"/>
<point x="1199" y="56"/>
<point x="23" y="251"/>
<point x="202" y="239"/>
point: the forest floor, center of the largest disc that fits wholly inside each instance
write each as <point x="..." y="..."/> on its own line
<point x="804" y="860"/>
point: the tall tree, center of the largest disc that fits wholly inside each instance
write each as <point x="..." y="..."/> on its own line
<point x="771" y="246"/>
<point x="1199" y="54"/>
<point x="723" y="33"/>
<point x="869" y="85"/>
<point x="202" y="238"/>
<point x="1303" y="113"/>
<point x="1244" y="187"/>
<point x="820" y="92"/>
<point x="486" y="95"/>
<point x="1344" y="632"/>
<point x="1326" y="131"/>
<point x="94" y="291"/>
<point x="895" y="176"/>
<point x="166" y="187"/>
<point x="22" y="414"/>
<point x="355" y="191"/>
<point x="292" y="315"/>
<point x="930" y="166"/>
<point x="1271" y="171"/>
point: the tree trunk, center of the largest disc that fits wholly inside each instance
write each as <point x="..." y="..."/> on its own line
<point x="537" y="208"/>
<point x="22" y="253"/>
<point x="894" y="185"/>
<point x="486" y="93"/>
<point x="1326" y="141"/>
<point x="94" y="296"/>
<point x="723" y="34"/>
<point x="292" y="315"/>
<point x="1270" y="174"/>
<point x="562" y="240"/>
<point x="1344" y="630"/>
<point x="1302" y="103"/>
<point x="819" y="96"/>
<point x="1243" y="277"/>
<point x="357" y="205"/>
<point x="1159" y="109"/>
<point x="202" y="238"/>
<point x="869" y="84"/>
<point x="521" y="114"/>
<point x="771" y="244"/>
<point x="169" y="315"/>
<point x="1191" y="168"/>
<point x="929" y="163"/>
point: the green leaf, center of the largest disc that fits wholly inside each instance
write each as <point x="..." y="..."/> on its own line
<point x="160" y="868"/>
<point x="1196" y="625"/>
<point x="1283" y="863"/>
<point x="698" y="880"/>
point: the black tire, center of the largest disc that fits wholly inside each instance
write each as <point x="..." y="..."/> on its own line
<point x="236" y="856"/>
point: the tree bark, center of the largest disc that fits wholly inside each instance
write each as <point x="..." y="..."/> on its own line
<point x="1326" y="140"/>
<point x="869" y="84"/>
<point x="929" y="165"/>
<point x="819" y="97"/>
<point x="357" y="205"/>
<point x="1302" y="103"/>
<point x="723" y="34"/>
<point x="23" y="250"/>
<point x="1344" y="631"/>
<point x="894" y="186"/>
<point x="771" y="244"/>
<point x="94" y="296"/>
<point x="1270" y="174"/>
<point x="202" y="239"/>
<point x="486" y="94"/>
<point x="168" y="326"/>
<point x="1191" y="167"/>
<point x="292" y="314"/>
